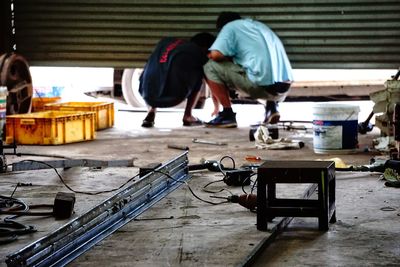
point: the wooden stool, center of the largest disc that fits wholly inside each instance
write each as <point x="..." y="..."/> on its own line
<point x="319" y="173"/>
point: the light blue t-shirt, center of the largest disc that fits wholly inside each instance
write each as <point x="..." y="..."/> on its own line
<point x="257" y="49"/>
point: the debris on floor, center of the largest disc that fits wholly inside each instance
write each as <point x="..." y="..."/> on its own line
<point x="384" y="144"/>
<point x="264" y="141"/>
<point x="392" y="178"/>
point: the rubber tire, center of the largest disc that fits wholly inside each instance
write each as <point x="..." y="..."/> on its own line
<point x="130" y="88"/>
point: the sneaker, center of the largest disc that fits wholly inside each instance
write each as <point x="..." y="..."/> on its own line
<point x="272" y="115"/>
<point x="272" y="118"/>
<point x="223" y="120"/>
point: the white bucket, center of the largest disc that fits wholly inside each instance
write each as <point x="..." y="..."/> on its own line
<point x="335" y="128"/>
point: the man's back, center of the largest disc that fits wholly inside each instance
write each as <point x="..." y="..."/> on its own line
<point x="171" y="73"/>
<point x="257" y="49"/>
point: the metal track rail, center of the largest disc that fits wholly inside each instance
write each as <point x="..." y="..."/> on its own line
<point x="73" y="239"/>
<point x="275" y="231"/>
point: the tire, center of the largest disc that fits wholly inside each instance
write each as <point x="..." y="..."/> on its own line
<point x="130" y="88"/>
<point x="15" y="75"/>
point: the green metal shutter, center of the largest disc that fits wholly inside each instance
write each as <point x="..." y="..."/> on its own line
<point x="122" y="33"/>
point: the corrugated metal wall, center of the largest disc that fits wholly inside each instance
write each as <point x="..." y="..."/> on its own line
<point x="122" y="33"/>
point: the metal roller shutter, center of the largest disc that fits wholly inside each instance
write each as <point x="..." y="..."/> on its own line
<point x="122" y="33"/>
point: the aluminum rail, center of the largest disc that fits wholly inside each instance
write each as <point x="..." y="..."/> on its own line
<point x="76" y="237"/>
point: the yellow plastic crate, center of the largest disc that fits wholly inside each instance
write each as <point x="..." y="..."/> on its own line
<point x="50" y="127"/>
<point x="104" y="111"/>
<point x="38" y="103"/>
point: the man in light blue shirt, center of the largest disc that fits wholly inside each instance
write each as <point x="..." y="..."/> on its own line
<point x="248" y="57"/>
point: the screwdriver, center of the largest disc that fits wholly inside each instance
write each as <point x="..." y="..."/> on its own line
<point x="252" y="158"/>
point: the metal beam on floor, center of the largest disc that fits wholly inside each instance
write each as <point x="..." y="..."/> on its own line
<point x="75" y="238"/>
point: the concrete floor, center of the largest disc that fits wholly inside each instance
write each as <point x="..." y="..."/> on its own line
<point x="364" y="235"/>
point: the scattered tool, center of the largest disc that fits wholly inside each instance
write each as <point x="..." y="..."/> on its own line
<point x="289" y="125"/>
<point x="365" y="126"/>
<point x="178" y="147"/>
<point x="207" y="142"/>
<point x="377" y="165"/>
<point x="249" y="201"/>
<point x="238" y="177"/>
<point x="252" y="158"/>
<point x="211" y="165"/>
<point x="392" y="178"/>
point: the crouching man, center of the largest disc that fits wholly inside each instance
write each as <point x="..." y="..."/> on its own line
<point x="246" y="56"/>
<point x="173" y="73"/>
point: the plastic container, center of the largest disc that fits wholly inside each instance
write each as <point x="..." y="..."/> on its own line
<point x="38" y="103"/>
<point x="335" y="128"/>
<point x="104" y="111"/>
<point x="48" y="91"/>
<point x="50" y="128"/>
<point x="3" y="108"/>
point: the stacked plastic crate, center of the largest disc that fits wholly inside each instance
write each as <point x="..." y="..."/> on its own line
<point x="60" y="123"/>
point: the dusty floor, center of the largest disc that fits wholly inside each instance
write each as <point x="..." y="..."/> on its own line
<point x="200" y="235"/>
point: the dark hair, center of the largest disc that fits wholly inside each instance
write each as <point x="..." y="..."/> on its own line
<point x="203" y="39"/>
<point x="226" y="17"/>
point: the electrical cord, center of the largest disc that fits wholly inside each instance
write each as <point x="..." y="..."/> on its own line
<point x="218" y="191"/>
<point x="220" y="164"/>
<point x="190" y="189"/>
<point x="10" y="229"/>
<point x="254" y="186"/>
<point x="77" y="191"/>
<point x="223" y="179"/>
<point x="18" y="213"/>
<point x="17" y="207"/>
<point x="121" y="186"/>
<point x="245" y="180"/>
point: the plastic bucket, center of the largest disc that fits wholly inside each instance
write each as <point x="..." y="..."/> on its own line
<point x="335" y="128"/>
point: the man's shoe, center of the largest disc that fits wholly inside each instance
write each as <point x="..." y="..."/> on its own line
<point x="223" y="120"/>
<point x="272" y="118"/>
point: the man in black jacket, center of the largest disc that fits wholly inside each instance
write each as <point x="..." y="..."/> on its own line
<point x="173" y="73"/>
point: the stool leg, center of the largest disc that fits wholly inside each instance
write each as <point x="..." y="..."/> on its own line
<point x="271" y="200"/>
<point x="333" y="218"/>
<point x="332" y="198"/>
<point x="262" y="223"/>
<point x="323" y="198"/>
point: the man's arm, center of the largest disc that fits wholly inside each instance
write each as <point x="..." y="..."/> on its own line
<point x="217" y="56"/>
